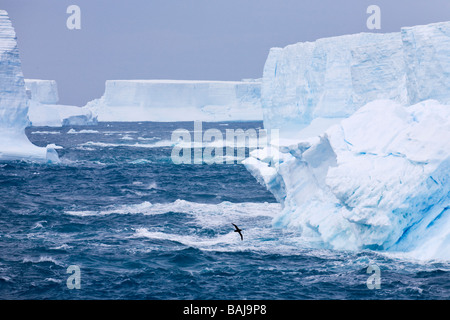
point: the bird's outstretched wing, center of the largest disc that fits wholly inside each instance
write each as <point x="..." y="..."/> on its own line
<point x="238" y="231"/>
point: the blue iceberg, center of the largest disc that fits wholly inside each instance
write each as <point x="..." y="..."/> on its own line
<point x="364" y="159"/>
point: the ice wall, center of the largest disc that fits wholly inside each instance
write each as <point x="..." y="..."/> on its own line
<point x="43" y="109"/>
<point x="13" y="104"/>
<point x="331" y="78"/>
<point x="14" y="144"/>
<point x="427" y="60"/>
<point x="57" y="115"/>
<point x="43" y="91"/>
<point x="353" y="171"/>
<point x="178" y="100"/>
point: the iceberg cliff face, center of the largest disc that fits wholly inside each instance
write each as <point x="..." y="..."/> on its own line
<point x="13" y="102"/>
<point x="14" y="144"/>
<point x="57" y="115"/>
<point x="330" y="78"/>
<point x="427" y="61"/>
<point x="178" y="100"/>
<point x="333" y="77"/>
<point x="365" y="159"/>
<point x="43" y="110"/>
<point x="42" y="91"/>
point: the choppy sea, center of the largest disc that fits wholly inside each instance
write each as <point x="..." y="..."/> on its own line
<point x="138" y="226"/>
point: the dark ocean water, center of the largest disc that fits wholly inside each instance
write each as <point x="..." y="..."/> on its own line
<point x="140" y="227"/>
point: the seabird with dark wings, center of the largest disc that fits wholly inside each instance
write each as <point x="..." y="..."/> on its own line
<point x="238" y="231"/>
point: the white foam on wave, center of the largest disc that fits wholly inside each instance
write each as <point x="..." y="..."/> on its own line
<point x="248" y="209"/>
<point x="141" y="161"/>
<point x="258" y="237"/>
<point x="39" y="224"/>
<point x="147" y="139"/>
<point x="54" y="146"/>
<point x="123" y="209"/>
<point x="64" y="246"/>
<point x="252" y="143"/>
<point x="42" y="259"/>
<point x="188" y="240"/>
<point x="85" y="149"/>
<point x="46" y="132"/>
<point x="73" y="131"/>
<point x="159" y="144"/>
<point x="118" y="132"/>
<point x="210" y="226"/>
<point x="127" y="137"/>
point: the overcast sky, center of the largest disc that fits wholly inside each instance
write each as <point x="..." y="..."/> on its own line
<point x="184" y="39"/>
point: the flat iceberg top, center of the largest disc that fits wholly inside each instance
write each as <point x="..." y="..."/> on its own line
<point x="342" y="39"/>
<point x="432" y="25"/>
<point x="168" y="81"/>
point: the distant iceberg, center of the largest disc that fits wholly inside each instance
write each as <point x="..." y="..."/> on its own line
<point x="42" y="91"/>
<point x="14" y="144"/>
<point x="178" y="100"/>
<point x="364" y="155"/>
<point x="44" y="109"/>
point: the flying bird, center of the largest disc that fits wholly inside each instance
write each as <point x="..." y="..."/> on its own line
<point x="238" y="231"/>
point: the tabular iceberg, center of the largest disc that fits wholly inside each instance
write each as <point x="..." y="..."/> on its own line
<point x="370" y="166"/>
<point x="14" y="144"/>
<point x="44" y="109"/>
<point x="42" y="91"/>
<point x="178" y="100"/>
<point x="331" y="78"/>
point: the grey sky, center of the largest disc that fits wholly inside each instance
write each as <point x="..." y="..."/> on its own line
<point x="184" y="39"/>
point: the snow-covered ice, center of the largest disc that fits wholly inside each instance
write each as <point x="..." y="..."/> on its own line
<point x="377" y="185"/>
<point x="57" y="115"/>
<point x="43" y="91"/>
<point x="14" y="144"/>
<point x="178" y="100"/>
<point x="364" y="155"/>
<point x="330" y="78"/>
<point x="427" y="61"/>
<point x="44" y="109"/>
<point x="333" y="77"/>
